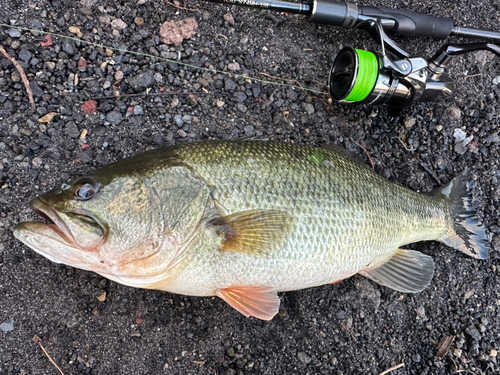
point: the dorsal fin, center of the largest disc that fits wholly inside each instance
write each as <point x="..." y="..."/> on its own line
<point x="407" y="271"/>
<point x="254" y="232"/>
<point x="260" y="302"/>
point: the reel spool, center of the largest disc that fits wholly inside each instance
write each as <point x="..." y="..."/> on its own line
<point x="358" y="76"/>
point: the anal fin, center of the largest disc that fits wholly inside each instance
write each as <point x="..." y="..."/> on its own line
<point x="407" y="271"/>
<point x="260" y="302"/>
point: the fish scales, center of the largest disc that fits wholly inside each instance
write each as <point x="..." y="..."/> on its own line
<point x="341" y="208"/>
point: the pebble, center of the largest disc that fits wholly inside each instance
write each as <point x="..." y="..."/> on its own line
<point x="241" y="96"/>
<point x="309" y="108"/>
<point x="303" y="357"/>
<point x="118" y="24"/>
<point x="496" y="80"/>
<point x="234" y="67"/>
<point x="454" y="112"/>
<point x="229" y="85"/>
<point x="178" y="120"/>
<point x="71" y="129"/>
<point x="158" y="77"/>
<point x="409" y="122"/>
<point x="340" y="314"/>
<point x="7" y="326"/>
<point x="220" y="103"/>
<point x="68" y="46"/>
<point x="73" y="322"/>
<point x="249" y="130"/>
<point x="142" y="81"/>
<point x="25" y="55"/>
<point x="37" y="91"/>
<point x="138" y="110"/>
<point x="187" y="119"/>
<point x="473" y="332"/>
<point x="114" y="117"/>
<point x="14" y="33"/>
<point x="139" y="21"/>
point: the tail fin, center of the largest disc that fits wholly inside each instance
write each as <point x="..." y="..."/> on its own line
<point x="466" y="234"/>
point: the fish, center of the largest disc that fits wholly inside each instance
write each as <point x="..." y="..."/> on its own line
<point x="245" y="220"/>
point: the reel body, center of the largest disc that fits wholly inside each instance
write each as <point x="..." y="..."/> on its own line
<point x="359" y="76"/>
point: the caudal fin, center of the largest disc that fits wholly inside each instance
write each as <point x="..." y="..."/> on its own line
<point x="466" y="234"/>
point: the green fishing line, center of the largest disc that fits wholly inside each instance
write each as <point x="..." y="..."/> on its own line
<point x="366" y="76"/>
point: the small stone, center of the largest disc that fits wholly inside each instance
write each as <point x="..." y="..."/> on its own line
<point x="178" y="121"/>
<point x="114" y="117"/>
<point x="68" y="46"/>
<point x="496" y="80"/>
<point x="340" y="314"/>
<point x="118" y="24"/>
<point x="158" y="77"/>
<point x="73" y="322"/>
<point x="249" y="130"/>
<point x="241" y="107"/>
<point x="473" y="332"/>
<point x="309" y="108"/>
<point x="138" y="110"/>
<point x="174" y="32"/>
<point x="241" y="96"/>
<point x="234" y="67"/>
<point x="25" y="55"/>
<point x="409" y="122"/>
<point x="7" y="326"/>
<point x="187" y="119"/>
<point x="493" y="353"/>
<point x="456" y="352"/>
<point x="135" y="334"/>
<point x="37" y="162"/>
<point x="72" y="130"/>
<point x="229" y="85"/>
<point x="228" y="17"/>
<point x="230" y="351"/>
<point x="142" y="81"/>
<point x="454" y="112"/>
<point x="14" y="33"/>
<point x="303" y="357"/>
<point x="182" y="133"/>
<point x="139" y="21"/>
<point x="220" y="103"/>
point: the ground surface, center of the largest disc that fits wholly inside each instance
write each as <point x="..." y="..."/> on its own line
<point x="354" y="327"/>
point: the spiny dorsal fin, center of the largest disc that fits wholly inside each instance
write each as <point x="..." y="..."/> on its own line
<point x="407" y="271"/>
<point x="254" y="232"/>
<point x="260" y="302"/>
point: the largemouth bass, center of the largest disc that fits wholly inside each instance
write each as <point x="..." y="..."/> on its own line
<point x="245" y="220"/>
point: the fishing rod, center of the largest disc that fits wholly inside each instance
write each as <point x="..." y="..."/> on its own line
<point x="372" y="77"/>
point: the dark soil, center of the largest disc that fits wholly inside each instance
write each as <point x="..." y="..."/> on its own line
<point x="354" y="327"/>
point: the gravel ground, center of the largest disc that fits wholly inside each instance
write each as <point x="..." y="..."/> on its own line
<point x="354" y="327"/>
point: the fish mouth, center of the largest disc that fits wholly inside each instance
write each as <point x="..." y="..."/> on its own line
<point x="55" y="222"/>
<point x="58" y="238"/>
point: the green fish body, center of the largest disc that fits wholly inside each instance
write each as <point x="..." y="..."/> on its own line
<point x="245" y="220"/>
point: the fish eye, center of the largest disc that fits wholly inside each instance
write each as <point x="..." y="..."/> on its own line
<point x="86" y="190"/>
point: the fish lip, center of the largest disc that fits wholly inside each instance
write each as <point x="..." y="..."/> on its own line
<point x="46" y="211"/>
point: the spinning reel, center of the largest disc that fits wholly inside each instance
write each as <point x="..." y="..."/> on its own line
<point x="359" y="76"/>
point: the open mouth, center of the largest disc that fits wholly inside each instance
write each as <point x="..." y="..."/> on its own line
<point x="54" y="220"/>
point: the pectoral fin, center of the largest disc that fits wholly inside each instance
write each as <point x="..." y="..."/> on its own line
<point x="260" y="302"/>
<point x="254" y="232"/>
<point x="407" y="271"/>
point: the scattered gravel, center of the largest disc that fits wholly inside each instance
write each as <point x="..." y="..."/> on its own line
<point x="102" y="114"/>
